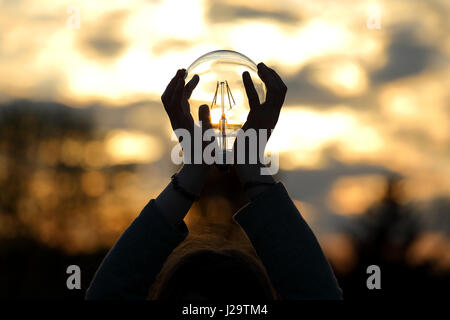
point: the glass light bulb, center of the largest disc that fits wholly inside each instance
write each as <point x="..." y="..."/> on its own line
<point x="222" y="89"/>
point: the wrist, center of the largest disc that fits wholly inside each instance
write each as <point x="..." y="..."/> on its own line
<point x="247" y="172"/>
<point x="198" y="171"/>
<point x="193" y="177"/>
<point x="252" y="180"/>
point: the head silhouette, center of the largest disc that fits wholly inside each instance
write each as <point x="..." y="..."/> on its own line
<point x="208" y="274"/>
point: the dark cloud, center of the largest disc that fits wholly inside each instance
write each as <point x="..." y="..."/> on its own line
<point x="406" y="56"/>
<point x="106" y="46"/>
<point x="315" y="184"/>
<point x="103" y="40"/>
<point x="221" y="12"/>
<point x="313" y="187"/>
<point x="302" y="91"/>
<point x="165" y="46"/>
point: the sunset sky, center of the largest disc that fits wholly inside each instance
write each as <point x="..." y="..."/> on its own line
<point x="362" y="102"/>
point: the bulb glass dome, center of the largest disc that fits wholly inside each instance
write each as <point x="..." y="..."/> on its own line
<point x="222" y="89"/>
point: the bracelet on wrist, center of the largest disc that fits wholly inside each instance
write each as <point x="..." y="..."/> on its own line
<point x="181" y="190"/>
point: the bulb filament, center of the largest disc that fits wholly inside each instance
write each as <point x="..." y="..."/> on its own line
<point x="223" y="123"/>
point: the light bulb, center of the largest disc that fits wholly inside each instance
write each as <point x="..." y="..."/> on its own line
<point x="222" y="89"/>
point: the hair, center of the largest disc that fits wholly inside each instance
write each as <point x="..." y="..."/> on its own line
<point x="204" y="272"/>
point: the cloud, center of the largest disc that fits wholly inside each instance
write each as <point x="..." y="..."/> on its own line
<point x="317" y="183"/>
<point x="103" y="40"/>
<point x="220" y="12"/>
<point x="406" y="56"/>
<point x="106" y="47"/>
<point x="164" y="46"/>
<point x="303" y="91"/>
<point x="313" y="187"/>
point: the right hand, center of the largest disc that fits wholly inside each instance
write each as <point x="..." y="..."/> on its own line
<point x="265" y="115"/>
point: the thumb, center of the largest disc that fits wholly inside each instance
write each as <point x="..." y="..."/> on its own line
<point x="204" y="116"/>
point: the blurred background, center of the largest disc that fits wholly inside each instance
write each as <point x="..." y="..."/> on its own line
<point x="364" y="136"/>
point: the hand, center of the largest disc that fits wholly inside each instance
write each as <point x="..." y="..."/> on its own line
<point x="265" y="115"/>
<point x="261" y="116"/>
<point x="174" y="205"/>
<point x="175" y="101"/>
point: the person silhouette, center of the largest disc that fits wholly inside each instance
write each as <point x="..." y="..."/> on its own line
<point x="290" y="264"/>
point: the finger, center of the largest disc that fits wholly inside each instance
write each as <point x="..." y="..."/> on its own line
<point x="178" y="93"/>
<point x="269" y="79"/>
<point x="204" y="116"/>
<point x="190" y="86"/>
<point x="267" y="74"/>
<point x="283" y="90"/>
<point x="279" y="81"/>
<point x="171" y="86"/>
<point x="187" y="91"/>
<point x="253" y="99"/>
